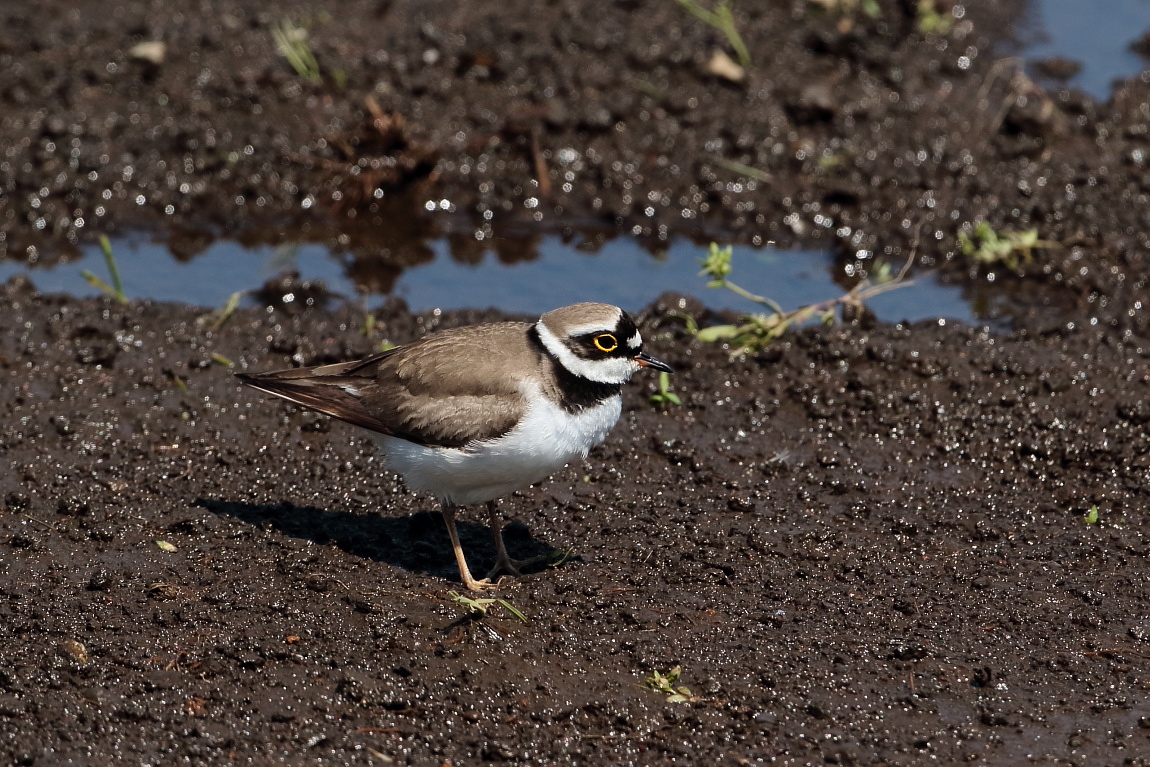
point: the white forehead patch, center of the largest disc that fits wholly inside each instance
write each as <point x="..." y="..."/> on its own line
<point x="635" y="341"/>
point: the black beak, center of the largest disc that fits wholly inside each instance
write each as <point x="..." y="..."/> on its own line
<point x="647" y="361"/>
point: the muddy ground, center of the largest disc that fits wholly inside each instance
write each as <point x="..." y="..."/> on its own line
<point x="867" y="544"/>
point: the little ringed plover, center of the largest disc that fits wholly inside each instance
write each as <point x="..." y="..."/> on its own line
<point x="471" y="414"/>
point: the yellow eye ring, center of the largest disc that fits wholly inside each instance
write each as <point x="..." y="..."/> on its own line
<point x="606" y="342"/>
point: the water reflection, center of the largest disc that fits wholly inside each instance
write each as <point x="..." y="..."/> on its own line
<point x="527" y="274"/>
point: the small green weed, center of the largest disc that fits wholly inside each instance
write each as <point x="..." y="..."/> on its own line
<point x="1091" y="516"/>
<point x="844" y="8"/>
<point x="478" y="607"/>
<point x="1007" y="247"/>
<point x="116" y="289"/>
<point x="666" y="684"/>
<point x="931" y="20"/>
<point x="722" y="20"/>
<point x="664" y="396"/>
<point x="369" y="323"/>
<point x="717" y="265"/>
<point x="830" y="161"/>
<point x="749" y="171"/>
<point x="556" y="557"/>
<point x="292" y="43"/>
<point x="755" y="331"/>
<point x="216" y="319"/>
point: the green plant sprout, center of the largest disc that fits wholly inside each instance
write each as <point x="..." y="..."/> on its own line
<point x="1006" y="247"/>
<point x="722" y="20"/>
<point x="664" y="396"/>
<point x="1091" y="516"/>
<point x="932" y="21"/>
<point x="755" y="331"/>
<point x="749" y="171"/>
<point x="292" y="43"/>
<point x="846" y="7"/>
<point x="478" y="607"/>
<point x="216" y="319"/>
<point x="116" y="289"/>
<point x="369" y="323"/>
<point x="557" y="557"/>
<point x="665" y="684"/>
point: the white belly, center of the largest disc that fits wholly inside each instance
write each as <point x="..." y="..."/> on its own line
<point x="546" y="440"/>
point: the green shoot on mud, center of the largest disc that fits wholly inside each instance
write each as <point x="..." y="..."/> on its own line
<point x="664" y="396"/>
<point x="478" y="607"/>
<point x="116" y="289"/>
<point x="665" y="684"/>
<point x="291" y="42"/>
<point x="216" y="319"/>
<point x="749" y="171"/>
<point x="369" y="323"/>
<point x="1007" y="247"/>
<point x="1091" y="516"/>
<point x="755" y="331"/>
<point x="932" y="19"/>
<point x="847" y="7"/>
<point x="722" y="20"/>
<point x="556" y="557"/>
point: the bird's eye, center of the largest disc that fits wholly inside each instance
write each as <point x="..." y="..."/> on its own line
<point x="605" y="342"/>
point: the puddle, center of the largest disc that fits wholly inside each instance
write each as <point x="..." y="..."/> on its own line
<point x="1097" y="35"/>
<point x="621" y="271"/>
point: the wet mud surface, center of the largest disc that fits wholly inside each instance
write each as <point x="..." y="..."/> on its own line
<point x="867" y="544"/>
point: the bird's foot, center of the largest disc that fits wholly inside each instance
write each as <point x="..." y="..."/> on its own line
<point x="471" y="584"/>
<point x="510" y="566"/>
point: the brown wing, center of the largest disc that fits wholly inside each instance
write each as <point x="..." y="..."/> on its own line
<point x="445" y="390"/>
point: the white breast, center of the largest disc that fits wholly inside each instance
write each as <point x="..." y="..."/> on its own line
<point x="546" y="440"/>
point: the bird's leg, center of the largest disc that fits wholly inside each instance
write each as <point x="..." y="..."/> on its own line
<point x="503" y="562"/>
<point x="464" y="573"/>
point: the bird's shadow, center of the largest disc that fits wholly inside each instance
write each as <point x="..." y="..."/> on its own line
<point x="414" y="542"/>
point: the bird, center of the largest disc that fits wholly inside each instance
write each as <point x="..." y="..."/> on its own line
<point x="471" y="414"/>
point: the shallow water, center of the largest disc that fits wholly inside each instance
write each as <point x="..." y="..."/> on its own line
<point x="620" y="272"/>
<point x="1097" y="34"/>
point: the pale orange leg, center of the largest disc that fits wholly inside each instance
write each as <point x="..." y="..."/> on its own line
<point x="464" y="573"/>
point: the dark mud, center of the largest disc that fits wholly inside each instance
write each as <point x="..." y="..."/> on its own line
<point x="886" y="544"/>
<point x="863" y="546"/>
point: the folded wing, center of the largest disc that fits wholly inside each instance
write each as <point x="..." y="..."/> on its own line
<point x="438" y="392"/>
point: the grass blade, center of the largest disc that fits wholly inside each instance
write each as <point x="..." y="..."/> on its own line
<point x="116" y="289"/>
<point x="110" y="260"/>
